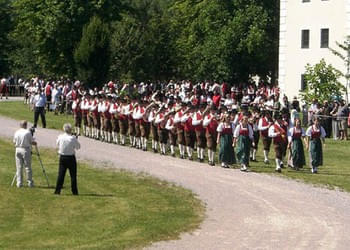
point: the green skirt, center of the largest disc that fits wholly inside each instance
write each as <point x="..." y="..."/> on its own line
<point x="226" y="153"/>
<point x="243" y="149"/>
<point x="316" y="154"/>
<point x="298" y="156"/>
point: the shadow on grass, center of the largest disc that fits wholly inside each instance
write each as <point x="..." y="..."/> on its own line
<point x="97" y="195"/>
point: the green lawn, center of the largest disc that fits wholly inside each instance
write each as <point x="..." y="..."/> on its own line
<point x="115" y="209"/>
<point x="20" y="111"/>
<point x="334" y="173"/>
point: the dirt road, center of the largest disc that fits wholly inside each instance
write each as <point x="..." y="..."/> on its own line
<point x="244" y="210"/>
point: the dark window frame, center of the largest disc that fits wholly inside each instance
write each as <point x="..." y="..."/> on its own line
<point x="324" y="38"/>
<point x="305" y="39"/>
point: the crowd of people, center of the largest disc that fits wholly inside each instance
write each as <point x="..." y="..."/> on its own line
<point x="198" y="117"/>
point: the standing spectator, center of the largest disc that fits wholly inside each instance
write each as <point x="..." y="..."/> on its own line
<point x="67" y="144"/>
<point x="342" y="116"/>
<point x="23" y="140"/>
<point x="335" y="128"/>
<point x="48" y="92"/>
<point x="3" y="88"/>
<point x="327" y="119"/>
<point x="39" y="108"/>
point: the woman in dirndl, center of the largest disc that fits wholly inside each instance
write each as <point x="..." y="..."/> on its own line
<point x="225" y="140"/>
<point x="315" y="133"/>
<point x="244" y="138"/>
<point x="295" y="145"/>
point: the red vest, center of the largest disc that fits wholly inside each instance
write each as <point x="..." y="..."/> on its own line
<point x="200" y="126"/>
<point x="188" y="125"/>
<point x="282" y="137"/>
<point x="211" y="128"/>
<point x="296" y="134"/>
<point x="244" y="131"/>
<point x="315" y="134"/>
<point x="265" y="123"/>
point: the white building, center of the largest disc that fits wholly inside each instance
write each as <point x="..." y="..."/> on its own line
<point x="308" y="28"/>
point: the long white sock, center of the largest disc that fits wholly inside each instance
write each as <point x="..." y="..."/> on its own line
<point x="202" y="153"/>
<point x="209" y="155"/>
<point x="189" y="151"/>
<point x="145" y="143"/>
<point x="172" y="149"/>
<point x="163" y="148"/>
<point x="198" y="152"/>
<point x="212" y="155"/>
<point x="266" y="155"/>
<point x="278" y="164"/>
<point x="155" y="145"/>
<point x="181" y="148"/>
<point x="254" y="154"/>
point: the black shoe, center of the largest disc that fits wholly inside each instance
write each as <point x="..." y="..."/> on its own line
<point x="282" y="166"/>
<point x="182" y="157"/>
<point x="173" y="155"/>
<point x="201" y="160"/>
<point x="278" y="170"/>
<point x="190" y="158"/>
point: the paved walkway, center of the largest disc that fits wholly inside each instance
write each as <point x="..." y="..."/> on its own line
<point x="244" y="210"/>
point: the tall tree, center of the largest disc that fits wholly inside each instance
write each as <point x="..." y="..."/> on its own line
<point x="47" y="32"/>
<point x="5" y="27"/>
<point x="92" y="54"/>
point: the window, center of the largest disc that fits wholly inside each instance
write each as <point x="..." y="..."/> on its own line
<point x="305" y="39"/>
<point x="303" y="83"/>
<point x="306" y="1"/>
<point x="324" y="38"/>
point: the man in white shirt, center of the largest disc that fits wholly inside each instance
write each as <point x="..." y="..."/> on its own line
<point x="23" y="140"/>
<point x="67" y="144"/>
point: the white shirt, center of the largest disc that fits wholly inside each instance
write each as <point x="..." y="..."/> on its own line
<point x="238" y="129"/>
<point x="313" y="127"/>
<point x="23" y="139"/>
<point x="67" y="144"/>
<point x="291" y="132"/>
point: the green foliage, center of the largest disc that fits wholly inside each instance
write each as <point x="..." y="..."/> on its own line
<point x="47" y="32"/>
<point x="92" y="54"/>
<point x="5" y="27"/>
<point x="322" y="83"/>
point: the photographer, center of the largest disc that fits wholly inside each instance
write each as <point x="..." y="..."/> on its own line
<point x="23" y="140"/>
<point x="67" y="144"/>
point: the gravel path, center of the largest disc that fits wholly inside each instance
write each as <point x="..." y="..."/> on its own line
<point x="244" y="210"/>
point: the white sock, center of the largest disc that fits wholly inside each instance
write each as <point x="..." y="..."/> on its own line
<point x="278" y="164"/>
<point x="201" y="151"/>
<point x="254" y="154"/>
<point x="266" y="155"/>
<point x="172" y="149"/>
<point x="209" y="155"/>
<point x="181" y="148"/>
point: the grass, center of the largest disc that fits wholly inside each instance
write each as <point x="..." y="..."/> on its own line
<point x="115" y="209"/>
<point x="19" y="111"/>
<point x="334" y="174"/>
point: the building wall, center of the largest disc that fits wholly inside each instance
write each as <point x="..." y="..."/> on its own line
<point x="315" y="15"/>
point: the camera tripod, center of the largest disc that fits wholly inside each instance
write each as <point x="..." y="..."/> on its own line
<point x="42" y="167"/>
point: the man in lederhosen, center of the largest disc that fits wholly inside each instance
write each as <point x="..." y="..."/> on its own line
<point x="123" y="120"/>
<point x="77" y="113"/>
<point x="190" y="135"/>
<point x="210" y="123"/>
<point x="154" y="131"/>
<point x="180" y="129"/>
<point x="113" y="108"/>
<point x="265" y="122"/>
<point x="197" y="122"/>
<point x="278" y="131"/>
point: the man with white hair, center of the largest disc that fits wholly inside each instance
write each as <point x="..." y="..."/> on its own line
<point x="23" y="140"/>
<point x="67" y="144"/>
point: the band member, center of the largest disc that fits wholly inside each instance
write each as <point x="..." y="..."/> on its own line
<point x="180" y="129"/>
<point x="151" y="118"/>
<point x="278" y="131"/>
<point x="315" y="133"/>
<point x="95" y="118"/>
<point x="197" y="122"/>
<point x="107" y="126"/>
<point x="137" y="117"/>
<point x="244" y="139"/>
<point x="210" y="123"/>
<point x="144" y="124"/>
<point x="84" y="106"/>
<point x="295" y="145"/>
<point x="160" y="122"/>
<point x="190" y="135"/>
<point x="225" y="139"/>
<point x="265" y="122"/>
<point x="123" y="120"/>
<point x="114" y="120"/>
<point x="253" y="121"/>
<point x="77" y="113"/>
<point x="100" y="110"/>
<point x="170" y="126"/>
<point x="131" y="122"/>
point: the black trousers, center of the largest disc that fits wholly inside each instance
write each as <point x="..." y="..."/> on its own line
<point x="39" y="111"/>
<point x="67" y="162"/>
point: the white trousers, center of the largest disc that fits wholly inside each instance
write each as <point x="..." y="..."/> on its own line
<point x="23" y="159"/>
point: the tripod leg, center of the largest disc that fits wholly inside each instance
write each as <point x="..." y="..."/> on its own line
<point x="13" y="180"/>
<point x="42" y="166"/>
